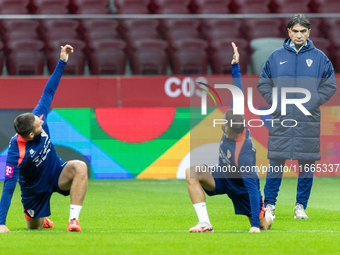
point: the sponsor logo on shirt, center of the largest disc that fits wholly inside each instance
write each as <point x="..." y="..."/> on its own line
<point x="9" y="171"/>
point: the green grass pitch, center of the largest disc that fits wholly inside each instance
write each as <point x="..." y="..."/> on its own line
<point x="153" y="217"/>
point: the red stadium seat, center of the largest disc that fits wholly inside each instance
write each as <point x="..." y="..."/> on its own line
<point x="323" y="45"/>
<point x="251" y="6"/>
<point x="75" y="64"/>
<point x="290" y="6"/>
<point x="213" y="9"/>
<point x="50" y="24"/>
<point x="14" y="10"/>
<point x="132" y="6"/>
<point x="141" y="24"/>
<point x="149" y="57"/>
<point x="222" y="28"/>
<point x="98" y="24"/>
<point x="1" y="58"/>
<point x="257" y="28"/>
<point x="222" y="53"/>
<point x="170" y="6"/>
<point x="94" y="35"/>
<point x="107" y="57"/>
<point x="336" y="55"/>
<point x="327" y="6"/>
<point x="39" y="6"/>
<point x="25" y="57"/>
<point x="92" y="10"/>
<point x="59" y="33"/>
<point x="175" y="24"/>
<point x="78" y="4"/>
<point x="189" y="57"/>
<point x="53" y="9"/>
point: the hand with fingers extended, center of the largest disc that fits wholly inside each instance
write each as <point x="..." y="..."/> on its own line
<point x="65" y="51"/>
<point x="4" y="229"/>
<point x="236" y="56"/>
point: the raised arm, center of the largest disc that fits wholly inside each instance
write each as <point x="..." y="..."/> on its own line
<point x="46" y="99"/>
<point x="235" y="69"/>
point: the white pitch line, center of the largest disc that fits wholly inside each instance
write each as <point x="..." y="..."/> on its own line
<point x="177" y="231"/>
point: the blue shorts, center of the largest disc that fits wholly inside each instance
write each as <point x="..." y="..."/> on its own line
<point x="241" y="201"/>
<point x="38" y="205"/>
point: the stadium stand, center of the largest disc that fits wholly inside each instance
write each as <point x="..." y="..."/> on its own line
<point x="107" y="56"/>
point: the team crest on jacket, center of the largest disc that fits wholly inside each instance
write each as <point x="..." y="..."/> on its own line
<point x="309" y="62"/>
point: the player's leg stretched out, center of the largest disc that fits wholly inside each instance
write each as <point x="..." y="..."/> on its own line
<point x="195" y="183"/>
<point x="74" y="178"/>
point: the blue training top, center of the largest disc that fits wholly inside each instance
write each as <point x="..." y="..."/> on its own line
<point x="32" y="162"/>
<point x="241" y="153"/>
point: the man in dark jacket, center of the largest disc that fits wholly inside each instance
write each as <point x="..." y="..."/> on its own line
<point x="298" y="64"/>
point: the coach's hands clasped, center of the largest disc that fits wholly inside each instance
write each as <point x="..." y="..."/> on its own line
<point x="64" y="52"/>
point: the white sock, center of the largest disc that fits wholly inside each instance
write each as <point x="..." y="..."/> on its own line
<point x="74" y="212"/>
<point x="202" y="213"/>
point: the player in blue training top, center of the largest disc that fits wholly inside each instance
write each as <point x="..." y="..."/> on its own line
<point x="33" y="160"/>
<point x="239" y="179"/>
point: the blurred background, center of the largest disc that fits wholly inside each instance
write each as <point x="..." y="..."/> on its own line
<point x="197" y="42"/>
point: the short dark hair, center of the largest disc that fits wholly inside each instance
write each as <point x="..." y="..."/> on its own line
<point x="230" y="117"/>
<point x="23" y="124"/>
<point x="299" y="19"/>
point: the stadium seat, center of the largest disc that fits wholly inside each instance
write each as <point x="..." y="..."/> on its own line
<point x="213" y="9"/>
<point x="132" y="6"/>
<point x="222" y="53"/>
<point x="98" y="24"/>
<point x="25" y="57"/>
<point x="263" y="47"/>
<point x="138" y="24"/>
<point x="39" y="6"/>
<point x="333" y="28"/>
<point x="107" y="57"/>
<point x="59" y="33"/>
<point x="1" y="57"/>
<point x="79" y="4"/>
<point x="189" y="57"/>
<point x="51" y="24"/>
<point x="257" y="28"/>
<point x="251" y="6"/>
<point x="323" y="45"/>
<point x="14" y="35"/>
<point x="170" y="6"/>
<point x="327" y="6"/>
<point x="14" y="10"/>
<point x="201" y="4"/>
<point x="290" y="6"/>
<point x="216" y="29"/>
<point x="149" y="57"/>
<point x="75" y="64"/>
<point x="336" y="55"/>
<point x="52" y="9"/>
<point x="10" y="4"/>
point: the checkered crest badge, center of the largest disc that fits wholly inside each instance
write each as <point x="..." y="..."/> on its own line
<point x="30" y="213"/>
<point x="309" y="62"/>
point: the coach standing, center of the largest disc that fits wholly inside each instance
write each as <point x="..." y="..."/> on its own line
<point x="297" y="64"/>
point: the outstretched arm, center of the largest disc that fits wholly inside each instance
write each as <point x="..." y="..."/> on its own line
<point x="235" y="70"/>
<point x="11" y="178"/>
<point x="46" y="99"/>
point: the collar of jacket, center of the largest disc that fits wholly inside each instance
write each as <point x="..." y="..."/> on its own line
<point x="308" y="47"/>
